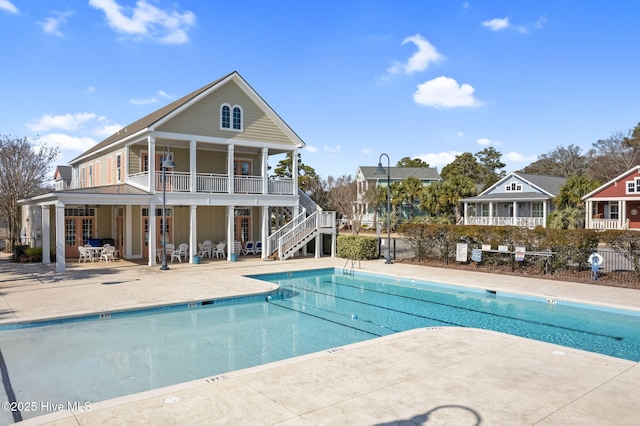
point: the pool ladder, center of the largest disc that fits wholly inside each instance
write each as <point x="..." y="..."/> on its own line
<point x="347" y="270"/>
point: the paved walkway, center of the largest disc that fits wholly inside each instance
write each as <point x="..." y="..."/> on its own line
<point x="427" y="376"/>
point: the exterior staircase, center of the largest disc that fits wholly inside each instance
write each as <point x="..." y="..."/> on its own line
<point x="312" y="222"/>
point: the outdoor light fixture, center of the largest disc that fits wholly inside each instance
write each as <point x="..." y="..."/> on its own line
<point x="380" y="171"/>
<point x="167" y="163"/>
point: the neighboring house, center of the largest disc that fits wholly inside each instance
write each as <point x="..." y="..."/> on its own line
<point x="616" y="204"/>
<point x="518" y="199"/>
<point x="366" y="179"/>
<point x="62" y="177"/>
<point x="221" y="138"/>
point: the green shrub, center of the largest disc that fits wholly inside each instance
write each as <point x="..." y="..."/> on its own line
<point x="357" y="247"/>
<point x="33" y="251"/>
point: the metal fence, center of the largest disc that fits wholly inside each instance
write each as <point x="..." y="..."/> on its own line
<point x="617" y="268"/>
<point x="11" y="251"/>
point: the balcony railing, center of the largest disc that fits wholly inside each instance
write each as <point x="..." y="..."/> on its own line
<point x="213" y="183"/>
<point x="606" y="224"/>
<point x="527" y="222"/>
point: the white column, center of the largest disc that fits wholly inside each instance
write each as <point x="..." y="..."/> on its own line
<point x="319" y="238"/>
<point x="265" y="171"/>
<point x="264" y="230"/>
<point x="230" y="169"/>
<point x="152" y="235"/>
<point x="544" y="214"/>
<point x="192" y="165"/>
<point x="230" y="236"/>
<point x="128" y="232"/>
<point x="193" y="233"/>
<point x="515" y="213"/>
<point x="464" y="212"/>
<point x="294" y="170"/>
<point x="152" y="163"/>
<point x="60" y="236"/>
<point x="46" y="234"/>
<point x="588" y="214"/>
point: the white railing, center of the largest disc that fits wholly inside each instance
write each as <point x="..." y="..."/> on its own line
<point x="529" y="222"/>
<point x="297" y="234"/>
<point x="605" y="224"/>
<point x="281" y="186"/>
<point x="272" y="240"/>
<point x="212" y="183"/>
<point x="327" y="220"/>
<point x="139" y="179"/>
<point x="307" y="202"/>
<point x="174" y="181"/>
<point x="247" y="184"/>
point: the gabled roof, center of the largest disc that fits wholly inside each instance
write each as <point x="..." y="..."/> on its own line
<point x="399" y="173"/>
<point x="150" y="121"/>
<point x="64" y="172"/>
<point x="547" y="186"/>
<point x="631" y="171"/>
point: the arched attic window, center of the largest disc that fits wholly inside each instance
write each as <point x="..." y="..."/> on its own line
<point x="231" y="117"/>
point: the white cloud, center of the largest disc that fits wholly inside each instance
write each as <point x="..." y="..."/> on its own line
<point x="519" y="158"/>
<point x="445" y="92"/>
<point x="67" y="142"/>
<point x="420" y="60"/>
<point x="146" y="21"/>
<point x="8" y="6"/>
<point x="106" y="130"/>
<point x="465" y="5"/>
<point x="52" y="24"/>
<point x="64" y="122"/>
<point x="311" y="149"/>
<point x="165" y="94"/>
<point x="366" y="151"/>
<point x="90" y="89"/>
<point x="485" y="141"/>
<point x="144" y="101"/>
<point x="439" y="159"/>
<point x="496" y="24"/>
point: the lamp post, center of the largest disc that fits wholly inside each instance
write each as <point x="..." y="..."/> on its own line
<point x="380" y="171"/>
<point x="167" y="163"/>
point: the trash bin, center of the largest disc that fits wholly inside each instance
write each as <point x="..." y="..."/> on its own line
<point x="233" y="257"/>
<point x="196" y="260"/>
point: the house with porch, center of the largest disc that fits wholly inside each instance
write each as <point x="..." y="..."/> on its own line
<point x="367" y="179"/>
<point x="219" y="140"/>
<point x="616" y="204"/>
<point x="518" y="199"/>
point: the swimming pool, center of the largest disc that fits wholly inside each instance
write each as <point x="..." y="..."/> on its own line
<point x="110" y="355"/>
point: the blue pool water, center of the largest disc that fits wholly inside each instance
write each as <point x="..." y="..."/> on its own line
<point x="94" y="360"/>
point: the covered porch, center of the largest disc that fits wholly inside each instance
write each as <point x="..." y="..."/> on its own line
<point x="527" y="213"/>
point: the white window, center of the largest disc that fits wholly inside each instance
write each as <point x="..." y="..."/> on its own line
<point x="231" y="117"/>
<point x="83" y="177"/>
<point x="119" y="168"/>
<point x="614" y="212"/>
<point x="633" y="186"/>
<point x="90" y="175"/>
<point x="513" y="187"/>
<point x="537" y="209"/>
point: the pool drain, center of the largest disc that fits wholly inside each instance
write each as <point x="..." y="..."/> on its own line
<point x="172" y="400"/>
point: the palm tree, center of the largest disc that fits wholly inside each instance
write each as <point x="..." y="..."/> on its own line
<point x="430" y="199"/>
<point x="456" y="188"/>
<point x="410" y="189"/>
<point x="567" y="218"/>
<point x="571" y="193"/>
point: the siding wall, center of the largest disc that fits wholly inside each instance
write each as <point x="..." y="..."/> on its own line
<point x="203" y="118"/>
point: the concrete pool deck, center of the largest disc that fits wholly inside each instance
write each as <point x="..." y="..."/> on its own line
<point x="438" y="375"/>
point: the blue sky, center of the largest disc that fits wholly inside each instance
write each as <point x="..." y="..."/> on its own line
<point x="354" y="79"/>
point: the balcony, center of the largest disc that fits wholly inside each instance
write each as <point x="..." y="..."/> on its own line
<point x="208" y="183"/>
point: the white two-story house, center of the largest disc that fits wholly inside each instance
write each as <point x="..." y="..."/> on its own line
<point x="221" y="138"/>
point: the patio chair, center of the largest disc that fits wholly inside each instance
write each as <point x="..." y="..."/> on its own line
<point x="107" y="253"/>
<point x="84" y="254"/>
<point x="183" y="250"/>
<point x="207" y="247"/>
<point x="248" y="248"/>
<point x="219" y="251"/>
<point x="258" y="248"/>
